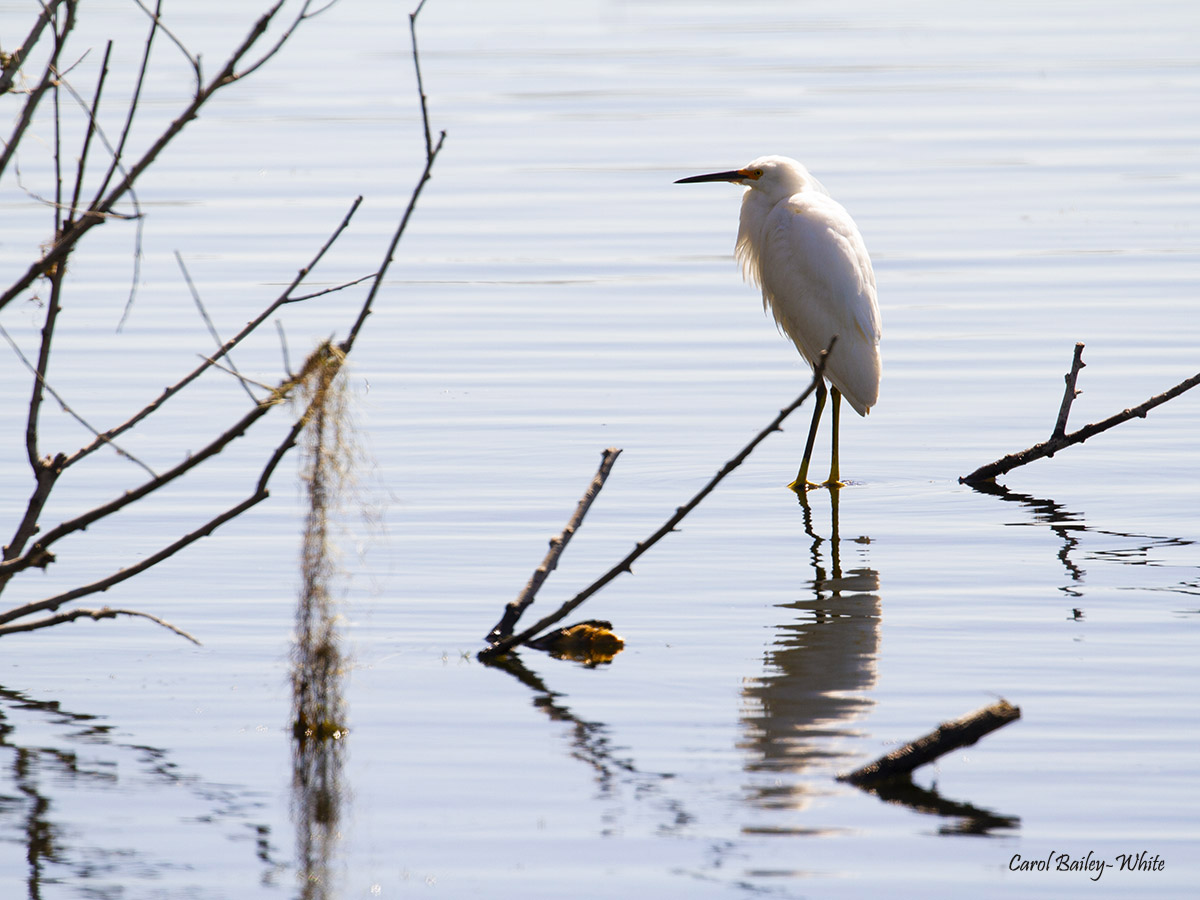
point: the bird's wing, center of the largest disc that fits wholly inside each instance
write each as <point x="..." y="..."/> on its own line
<point x="818" y="282"/>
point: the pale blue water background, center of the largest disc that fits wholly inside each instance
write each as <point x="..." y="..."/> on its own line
<point x="1025" y="177"/>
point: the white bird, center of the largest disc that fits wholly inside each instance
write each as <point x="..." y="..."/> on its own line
<point x="805" y="252"/>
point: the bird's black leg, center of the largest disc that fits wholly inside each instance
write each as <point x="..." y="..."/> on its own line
<point x="834" y="479"/>
<point x="802" y="484"/>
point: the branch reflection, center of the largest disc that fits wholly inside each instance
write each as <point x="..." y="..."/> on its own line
<point x="1131" y="548"/>
<point x="60" y="767"/>
<point x="592" y="745"/>
<point x="973" y="820"/>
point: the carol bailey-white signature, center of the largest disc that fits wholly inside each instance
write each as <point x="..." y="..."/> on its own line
<point x="1092" y="864"/>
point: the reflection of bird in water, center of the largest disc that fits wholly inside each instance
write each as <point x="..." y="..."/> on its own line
<point x="801" y="246"/>
<point x="819" y="668"/>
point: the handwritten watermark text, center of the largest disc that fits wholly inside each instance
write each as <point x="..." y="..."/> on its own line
<point x="1091" y="865"/>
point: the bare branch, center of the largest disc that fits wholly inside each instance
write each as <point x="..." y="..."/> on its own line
<point x="45" y="475"/>
<point x="1059" y="441"/>
<point x="332" y="290"/>
<point x="91" y="130"/>
<point x="17" y="58"/>
<point x="431" y="152"/>
<point x="115" y="162"/>
<point x="626" y="564"/>
<point x="1069" y="394"/>
<point x="73" y="209"/>
<point x="66" y="241"/>
<point x="283" y="38"/>
<point x="39" y="555"/>
<point x="963" y="732"/>
<point x="208" y="322"/>
<point x="391" y="251"/>
<point x="97" y="615"/>
<point x="43" y="385"/>
<point x="156" y="25"/>
<point x="35" y="96"/>
<point x="53" y="603"/>
<point x="39" y="549"/>
<point x="412" y="28"/>
<point x="16" y="557"/>
<point x="250" y="327"/>
<point x="558" y="543"/>
<point x="283" y="349"/>
<point x="243" y="380"/>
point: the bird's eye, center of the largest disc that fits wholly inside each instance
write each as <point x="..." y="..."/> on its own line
<point x="758" y="173"/>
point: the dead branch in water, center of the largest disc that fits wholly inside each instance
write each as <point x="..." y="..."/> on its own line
<point x="499" y="647"/>
<point x="558" y="543"/>
<point x="1059" y="439"/>
<point x="948" y="736"/>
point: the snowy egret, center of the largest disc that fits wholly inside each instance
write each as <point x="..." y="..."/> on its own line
<point x="802" y="248"/>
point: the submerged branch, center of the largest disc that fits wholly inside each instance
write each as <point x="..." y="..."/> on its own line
<point x="948" y="736"/>
<point x="1058" y="441"/>
<point x="558" y="543"/>
<point x="626" y="565"/>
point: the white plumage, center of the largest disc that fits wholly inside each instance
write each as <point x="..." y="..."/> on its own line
<point x="805" y="252"/>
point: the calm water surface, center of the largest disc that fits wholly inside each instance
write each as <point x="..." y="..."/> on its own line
<point x="1026" y="178"/>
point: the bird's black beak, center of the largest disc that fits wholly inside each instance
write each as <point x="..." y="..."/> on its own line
<point x="737" y="176"/>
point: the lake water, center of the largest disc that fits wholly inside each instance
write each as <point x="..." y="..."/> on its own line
<point x="1026" y="176"/>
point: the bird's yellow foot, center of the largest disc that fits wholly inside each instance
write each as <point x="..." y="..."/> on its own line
<point x="807" y="486"/>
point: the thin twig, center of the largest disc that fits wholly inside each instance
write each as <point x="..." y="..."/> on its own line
<point x="123" y="574"/>
<point x="431" y="152"/>
<point x="132" y="108"/>
<point x="9" y="148"/>
<point x="626" y="564"/>
<point x="208" y="322"/>
<point x="97" y="615"/>
<point x="82" y="521"/>
<point x="1069" y="394"/>
<point x="66" y="241"/>
<point x="412" y="27"/>
<point x="17" y="58"/>
<point x="94" y="128"/>
<point x="245" y="380"/>
<point x="283" y="349"/>
<point x="44" y="386"/>
<point x="332" y="290"/>
<point x="91" y="129"/>
<point x="157" y="25"/>
<point x="39" y="555"/>
<point x="115" y="164"/>
<point x="48" y="470"/>
<point x="250" y="327"/>
<point x="1058" y="442"/>
<point x="283" y="38"/>
<point x="946" y="737"/>
<point x="558" y="543"/>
